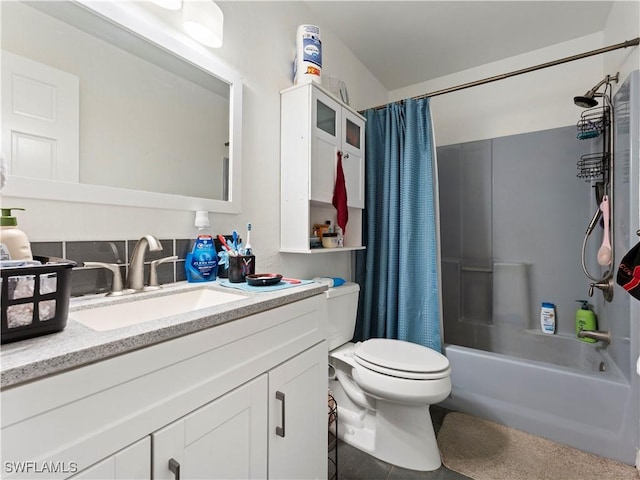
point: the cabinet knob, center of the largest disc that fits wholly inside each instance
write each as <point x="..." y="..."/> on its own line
<point x="346" y="155"/>
<point x="280" y="430"/>
<point x="174" y="466"/>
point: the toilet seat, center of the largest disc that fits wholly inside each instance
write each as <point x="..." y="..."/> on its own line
<point x="401" y="359"/>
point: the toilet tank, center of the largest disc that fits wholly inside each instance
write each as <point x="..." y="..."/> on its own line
<point x="342" y="307"/>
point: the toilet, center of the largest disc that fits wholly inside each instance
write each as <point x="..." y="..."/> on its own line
<point x="383" y="389"/>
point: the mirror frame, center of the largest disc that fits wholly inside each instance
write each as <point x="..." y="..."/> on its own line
<point x="136" y="20"/>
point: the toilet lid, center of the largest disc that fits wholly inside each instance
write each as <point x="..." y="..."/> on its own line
<point x="401" y="359"/>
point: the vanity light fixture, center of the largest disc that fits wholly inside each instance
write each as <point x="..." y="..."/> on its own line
<point x="169" y="4"/>
<point x="203" y="21"/>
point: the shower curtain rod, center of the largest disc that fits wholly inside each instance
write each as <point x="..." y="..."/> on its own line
<point x="626" y="44"/>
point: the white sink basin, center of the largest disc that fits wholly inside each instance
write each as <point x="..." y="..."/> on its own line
<point x="135" y="311"/>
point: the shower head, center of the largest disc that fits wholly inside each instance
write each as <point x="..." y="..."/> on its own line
<point x="585" y="101"/>
<point x="588" y="99"/>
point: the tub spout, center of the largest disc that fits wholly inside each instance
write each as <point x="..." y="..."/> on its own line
<point x="598" y="335"/>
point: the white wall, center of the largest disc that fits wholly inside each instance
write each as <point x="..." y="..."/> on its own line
<point x="622" y="24"/>
<point x="534" y="101"/>
<point x="259" y="43"/>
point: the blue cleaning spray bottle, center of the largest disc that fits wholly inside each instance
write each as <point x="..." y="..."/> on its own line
<point x="201" y="264"/>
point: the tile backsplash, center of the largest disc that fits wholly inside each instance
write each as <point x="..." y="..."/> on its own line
<point x="86" y="281"/>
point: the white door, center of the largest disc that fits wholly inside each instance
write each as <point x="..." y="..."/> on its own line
<point x="40" y="120"/>
<point x="298" y="432"/>
<point x="353" y="158"/>
<point x="131" y="463"/>
<point x="325" y="145"/>
<point x="225" y="439"/>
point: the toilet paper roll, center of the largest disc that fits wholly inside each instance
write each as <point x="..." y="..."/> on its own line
<point x="308" y="61"/>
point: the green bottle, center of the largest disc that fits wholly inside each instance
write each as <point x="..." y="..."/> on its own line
<point x="585" y="320"/>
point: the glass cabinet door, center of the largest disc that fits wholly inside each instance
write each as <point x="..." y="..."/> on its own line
<point x="326" y="118"/>
<point x="352" y="134"/>
<point x="325" y="145"/>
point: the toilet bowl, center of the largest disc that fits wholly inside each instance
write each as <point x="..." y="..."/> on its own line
<point x="383" y="389"/>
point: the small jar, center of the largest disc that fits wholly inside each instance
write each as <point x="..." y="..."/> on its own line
<point x="330" y="240"/>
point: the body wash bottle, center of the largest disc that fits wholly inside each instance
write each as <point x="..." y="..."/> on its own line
<point x="585" y="320"/>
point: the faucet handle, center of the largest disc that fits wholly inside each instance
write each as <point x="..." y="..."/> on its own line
<point x="116" y="286"/>
<point x="606" y="286"/>
<point x="153" y="271"/>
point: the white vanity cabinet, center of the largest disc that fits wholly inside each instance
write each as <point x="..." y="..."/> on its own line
<point x="130" y="463"/>
<point x="225" y="439"/>
<point x="244" y="399"/>
<point x="297" y="440"/>
<point x="315" y="127"/>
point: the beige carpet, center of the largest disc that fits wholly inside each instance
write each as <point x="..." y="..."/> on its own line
<point x="484" y="450"/>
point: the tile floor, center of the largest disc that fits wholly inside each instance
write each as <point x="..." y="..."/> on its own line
<point x="354" y="464"/>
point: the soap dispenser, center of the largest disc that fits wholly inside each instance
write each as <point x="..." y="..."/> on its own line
<point x="585" y="320"/>
<point x="14" y="244"/>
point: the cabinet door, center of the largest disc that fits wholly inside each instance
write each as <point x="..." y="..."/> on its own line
<point x="224" y="439"/>
<point x="326" y="141"/>
<point x="353" y="158"/>
<point x="131" y="463"/>
<point x="298" y="416"/>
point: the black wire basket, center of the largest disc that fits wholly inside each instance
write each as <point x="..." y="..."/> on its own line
<point x="592" y="123"/>
<point x="592" y="166"/>
<point x="35" y="298"/>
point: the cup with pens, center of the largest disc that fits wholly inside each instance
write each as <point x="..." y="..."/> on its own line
<point x="240" y="264"/>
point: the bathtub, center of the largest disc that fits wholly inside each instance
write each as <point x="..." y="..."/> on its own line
<point x="586" y="404"/>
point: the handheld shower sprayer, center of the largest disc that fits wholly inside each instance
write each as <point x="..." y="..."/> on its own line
<point x="594" y="221"/>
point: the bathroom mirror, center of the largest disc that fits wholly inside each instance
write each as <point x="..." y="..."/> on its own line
<point x="111" y="103"/>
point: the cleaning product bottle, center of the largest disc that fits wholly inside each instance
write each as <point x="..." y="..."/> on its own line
<point x="548" y="318"/>
<point x="585" y="320"/>
<point x="201" y="264"/>
<point x="14" y="244"/>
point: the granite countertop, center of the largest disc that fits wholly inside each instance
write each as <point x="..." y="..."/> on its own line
<point x="77" y="344"/>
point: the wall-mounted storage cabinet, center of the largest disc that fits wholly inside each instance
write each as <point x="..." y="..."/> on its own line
<point x="315" y="127"/>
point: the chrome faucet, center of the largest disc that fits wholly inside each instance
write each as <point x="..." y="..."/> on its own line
<point x="598" y="335"/>
<point x="135" y="278"/>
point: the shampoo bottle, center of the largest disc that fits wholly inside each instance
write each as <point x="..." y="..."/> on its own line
<point x="548" y="318"/>
<point x="201" y="264"/>
<point x="14" y="244"/>
<point x="585" y="320"/>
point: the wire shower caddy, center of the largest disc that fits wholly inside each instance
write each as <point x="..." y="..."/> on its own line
<point x="593" y="123"/>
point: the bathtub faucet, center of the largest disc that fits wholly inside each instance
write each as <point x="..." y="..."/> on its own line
<point x="598" y="335"/>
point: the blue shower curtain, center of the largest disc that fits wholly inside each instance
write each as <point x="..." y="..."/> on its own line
<point x="398" y="270"/>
